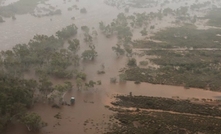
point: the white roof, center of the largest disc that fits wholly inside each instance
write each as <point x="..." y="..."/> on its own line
<point x="72" y="97"/>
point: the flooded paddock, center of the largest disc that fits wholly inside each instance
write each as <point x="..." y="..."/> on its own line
<point x="88" y="114"/>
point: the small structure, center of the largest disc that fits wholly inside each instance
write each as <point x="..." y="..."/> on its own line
<point x="72" y="101"/>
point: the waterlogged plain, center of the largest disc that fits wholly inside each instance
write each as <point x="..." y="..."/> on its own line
<point x="110" y="42"/>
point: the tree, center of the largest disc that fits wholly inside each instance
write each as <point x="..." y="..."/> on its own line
<point x="81" y="75"/>
<point x="74" y="45"/>
<point x="67" y="32"/>
<point x="59" y="63"/>
<point x="132" y="62"/>
<point x="102" y="26"/>
<point x="113" y="80"/>
<point x="45" y="86"/>
<point x="86" y="29"/>
<point x="124" y="34"/>
<point x="92" y="83"/>
<point x="99" y="82"/>
<point x="89" y="54"/>
<point x="68" y="85"/>
<point x="122" y="77"/>
<point x="83" y="10"/>
<point x="12" y="64"/>
<point x="167" y="11"/>
<point x="79" y="83"/>
<point x="129" y="51"/>
<point x="144" y="31"/>
<point x="76" y="60"/>
<point x="152" y="27"/>
<point x="94" y="33"/>
<point x="88" y="38"/>
<point x="33" y="122"/>
<point x="118" y="50"/>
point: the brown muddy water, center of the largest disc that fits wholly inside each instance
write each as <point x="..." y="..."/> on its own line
<point x="88" y="115"/>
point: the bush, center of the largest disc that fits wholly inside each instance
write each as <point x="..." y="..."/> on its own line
<point x="83" y="10"/>
<point x="143" y="63"/>
<point x="113" y="80"/>
<point x="137" y="82"/>
<point x="132" y="62"/>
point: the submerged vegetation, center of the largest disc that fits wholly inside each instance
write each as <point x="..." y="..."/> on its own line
<point x="17" y="95"/>
<point x="161" y="115"/>
<point x="187" y="54"/>
<point x="46" y="56"/>
<point x="214" y="17"/>
<point x="29" y="6"/>
<point x="162" y="122"/>
<point x="194" y="68"/>
<point x="19" y="7"/>
<point x="189" y="36"/>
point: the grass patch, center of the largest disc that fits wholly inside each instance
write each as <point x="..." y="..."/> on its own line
<point x="188" y="36"/>
<point x="162" y="122"/>
<point x="167" y="104"/>
<point x="196" y="68"/>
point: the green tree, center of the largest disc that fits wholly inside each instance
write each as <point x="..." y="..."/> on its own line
<point x="81" y="75"/>
<point x="118" y="50"/>
<point x="132" y="62"/>
<point x="102" y="26"/>
<point x="89" y="54"/>
<point x="33" y="122"/>
<point x="67" y="32"/>
<point x="86" y="29"/>
<point x="91" y="83"/>
<point x="88" y="38"/>
<point x="59" y="63"/>
<point x="74" y="45"/>
<point x="45" y="86"/>
<point x="79" y="83"/>
<point x="94" y="33"/>
<point x="144" y="31"/>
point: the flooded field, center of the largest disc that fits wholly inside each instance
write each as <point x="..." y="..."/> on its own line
<point x="89" y="114"/>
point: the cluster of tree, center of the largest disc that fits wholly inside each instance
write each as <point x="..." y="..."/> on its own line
<point x="132" y="62"/>
<point x="133" y="3"/>
<point x="17" y="95"/>
<point x="197" y="6"/>
<point x="177" y="68"/>
<point x="44" y="54"/>
<point x="118" y="50"/>
<point x="67" y="32"/>
<point x="189" y="36"/>
<point x="89" y="54"/>
<point x="81" y="81"/>
<point x="214" y="17"/>
<point x="18" y="7"/>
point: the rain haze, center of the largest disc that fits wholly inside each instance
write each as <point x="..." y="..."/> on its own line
<point x="110" y="66"/>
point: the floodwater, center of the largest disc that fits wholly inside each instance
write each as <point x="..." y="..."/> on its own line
<point x="88" y="115"/>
